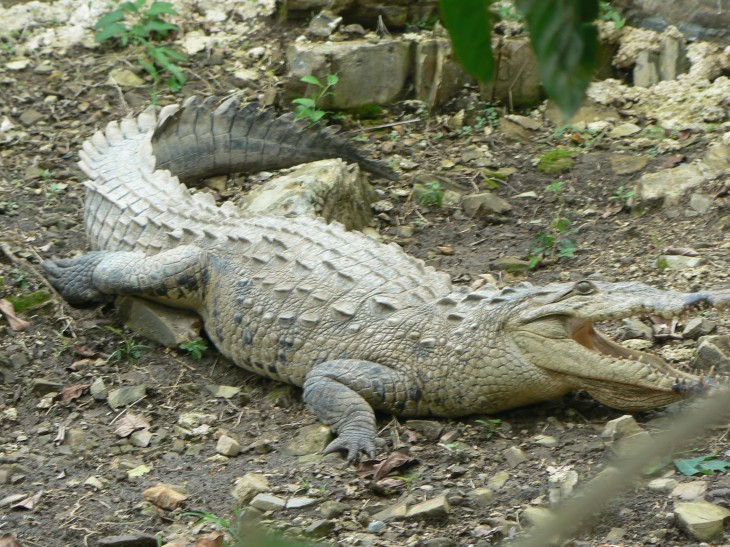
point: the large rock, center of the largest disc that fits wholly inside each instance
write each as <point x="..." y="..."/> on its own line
<point x="437" y="76"/>
<point x="517" y="79"/>
<point x="167" y="326"/>
<point x="369" y="73"/>
<point x="330" y="189"/>
<point x="700" y="18"/>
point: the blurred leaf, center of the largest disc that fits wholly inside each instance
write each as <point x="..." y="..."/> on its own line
<point x="469" y="25"/>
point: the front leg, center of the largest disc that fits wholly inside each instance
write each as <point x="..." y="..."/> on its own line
<point x="180" y="273"/>
<point x="343" y="392"/>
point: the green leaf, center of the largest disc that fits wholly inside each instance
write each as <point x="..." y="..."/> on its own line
<point x="715" y="465"/>
<point x="172" y="54"/>
<point x="469" y="25"/>
<point x="690" y="466"/>
<point x="565" y="41"/>
<point x="150" y="68"/>
<point x="305" y="102"/>
<point x="109" y="18"/>
<point x="113" y="30"/>
<point x="311" y="79"/>
<point x="160" y="27"/>
<point x="332" y="79"/>
<point x="316" y="115"/>
<point x="130" y="6"/>
<point x="158" y="8"/>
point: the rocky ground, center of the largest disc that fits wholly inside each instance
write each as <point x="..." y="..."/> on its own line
<point x="71" y="474"/>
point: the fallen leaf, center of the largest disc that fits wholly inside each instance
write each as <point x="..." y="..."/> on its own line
<point x="69" y="393"/>
<point x="29" y="502"/>
<point x="139" y="471"/>
<point x="84" y="351"/>
<point x="130" y="423"/>
<point x="16" y="323"/>
<point x="378" y="469"/>
<point x="214" y="539"/>
<point x="164" y="497"/>
<point x="9" y="540"/>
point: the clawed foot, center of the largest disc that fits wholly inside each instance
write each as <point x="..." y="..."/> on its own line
<point x="354" y="445"/>
<point x="73" y="277"/>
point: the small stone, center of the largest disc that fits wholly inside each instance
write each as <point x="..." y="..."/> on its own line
<point x="713" y="351"/>
<point x="536" y="515"/>
<point x="129" y="540"/>
<point x="224" y="392"/>
<point x="510" y="264"/>
<point x="690" y="491"/>
<point x="434" y="508"/>
<point x="300" y="501"/>
<point x="377" y="527"/>
<point x="482" y="497"/>
<point x="627" y="165"/>
<point x="191" y="420"/>
<point x="98" y="390"/>
<point x="624" y="130"/>
<point x="44" y="386"/>
<point x="141" y="438"/>
<point x="698" y="326"/>
<point x="701" y="519"/>
<point x="663" y="484"/>
<point x="310" y="439"/>
<point x="382" y="206"/>
<point x="485" y="203"/>
<point x="94" y="482"/>
<point x="248" y="486"/>
<point x="547" y="441"/>
<point x="514" y="456"/>
<point x="228" y="446"/>
<point x="331" y="509"/>
<point x="125" y="78"/>
<point x="430" y="429"/>
<point x="164" y="325"/>
<point x="30" y="117"/>
<point x="524" y="121"/>
<point x="498" y="480"/>
<point x="700" y="203"/>
<point x="323" y="24"/>
<point x="320" y="528"/>
<point x="18" y="64"/>
<point x="267" y="502"/>
<point x="439" y="542"/>
<point x="678" y="262"/>
<point x="562" y="483"/>
<point x="397" y="511"/>
<point x="615" y="535"/>
<point x="619" y="428"/>
<point x="126" y="395"/>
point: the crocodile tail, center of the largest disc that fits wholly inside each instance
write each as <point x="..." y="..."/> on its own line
<point x="195" y="141"/>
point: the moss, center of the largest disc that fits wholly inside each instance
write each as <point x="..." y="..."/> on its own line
<point x="27" y="301"/>
<point x="367" y="111"/>
<point x="556" y="161"/>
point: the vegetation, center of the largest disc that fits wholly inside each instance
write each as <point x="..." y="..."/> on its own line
<point x="25" y="302"/>
<point x="555" y="161"/>
<point x="554" y="241"/>
<point x="308" y="107"/>
<point x="429" y="194"/>
<point x="702" y="465"/>
<point x="195" y="348"/>
<point x="129" y="348"/>
<point x="132" y="23"/>
<point x="563" y="34"/>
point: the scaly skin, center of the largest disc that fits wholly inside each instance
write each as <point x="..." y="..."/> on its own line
<point x="359" y="325"/>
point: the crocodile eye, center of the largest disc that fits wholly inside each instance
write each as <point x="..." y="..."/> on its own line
<point x="584" y="287"/>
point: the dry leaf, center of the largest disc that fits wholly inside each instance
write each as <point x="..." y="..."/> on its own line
<point x="377" y="469"/>
<point x="214" y="539"/>
<point x="130" y="423"/>
<point x="69" y="393"/>
<point x="164" y="497"/>
<point x="29" y="502"/>
<point x="16" y="323"/>
<point x="84" y="351"/>
<point x="9" y="540"/>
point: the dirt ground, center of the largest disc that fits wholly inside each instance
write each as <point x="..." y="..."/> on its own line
<point x="50" y="449"/>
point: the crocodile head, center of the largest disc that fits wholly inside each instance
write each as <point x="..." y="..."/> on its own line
<point x="554" y="328"/>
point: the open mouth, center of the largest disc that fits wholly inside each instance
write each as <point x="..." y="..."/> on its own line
<point x="584" y="333"/>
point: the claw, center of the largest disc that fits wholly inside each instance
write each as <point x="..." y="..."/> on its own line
<point x="353" y="446"/>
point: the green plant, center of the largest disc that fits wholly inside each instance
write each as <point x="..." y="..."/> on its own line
<point x="491" y="426"/>
<point x="553" y="242"/>
<point x="608" y="13"/>
<point x="430" y="194"/>
<point x="129" y="348"/>
<point x="65" y="343"/>
<point x="20" y="279"/>
<point x="196" y="348"/>
<point x="555" y="161"/>
<point x="622" y="194"/>
<point x="701" y="465"/>
<point x="132" y="23"/>
<point x="307" y="107"/>
<point x="563" y="35"/>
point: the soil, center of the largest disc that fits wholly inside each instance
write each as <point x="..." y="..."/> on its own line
<point x="50" y="449"/>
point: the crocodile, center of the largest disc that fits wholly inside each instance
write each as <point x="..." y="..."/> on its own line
<point x="359" y="325"/>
